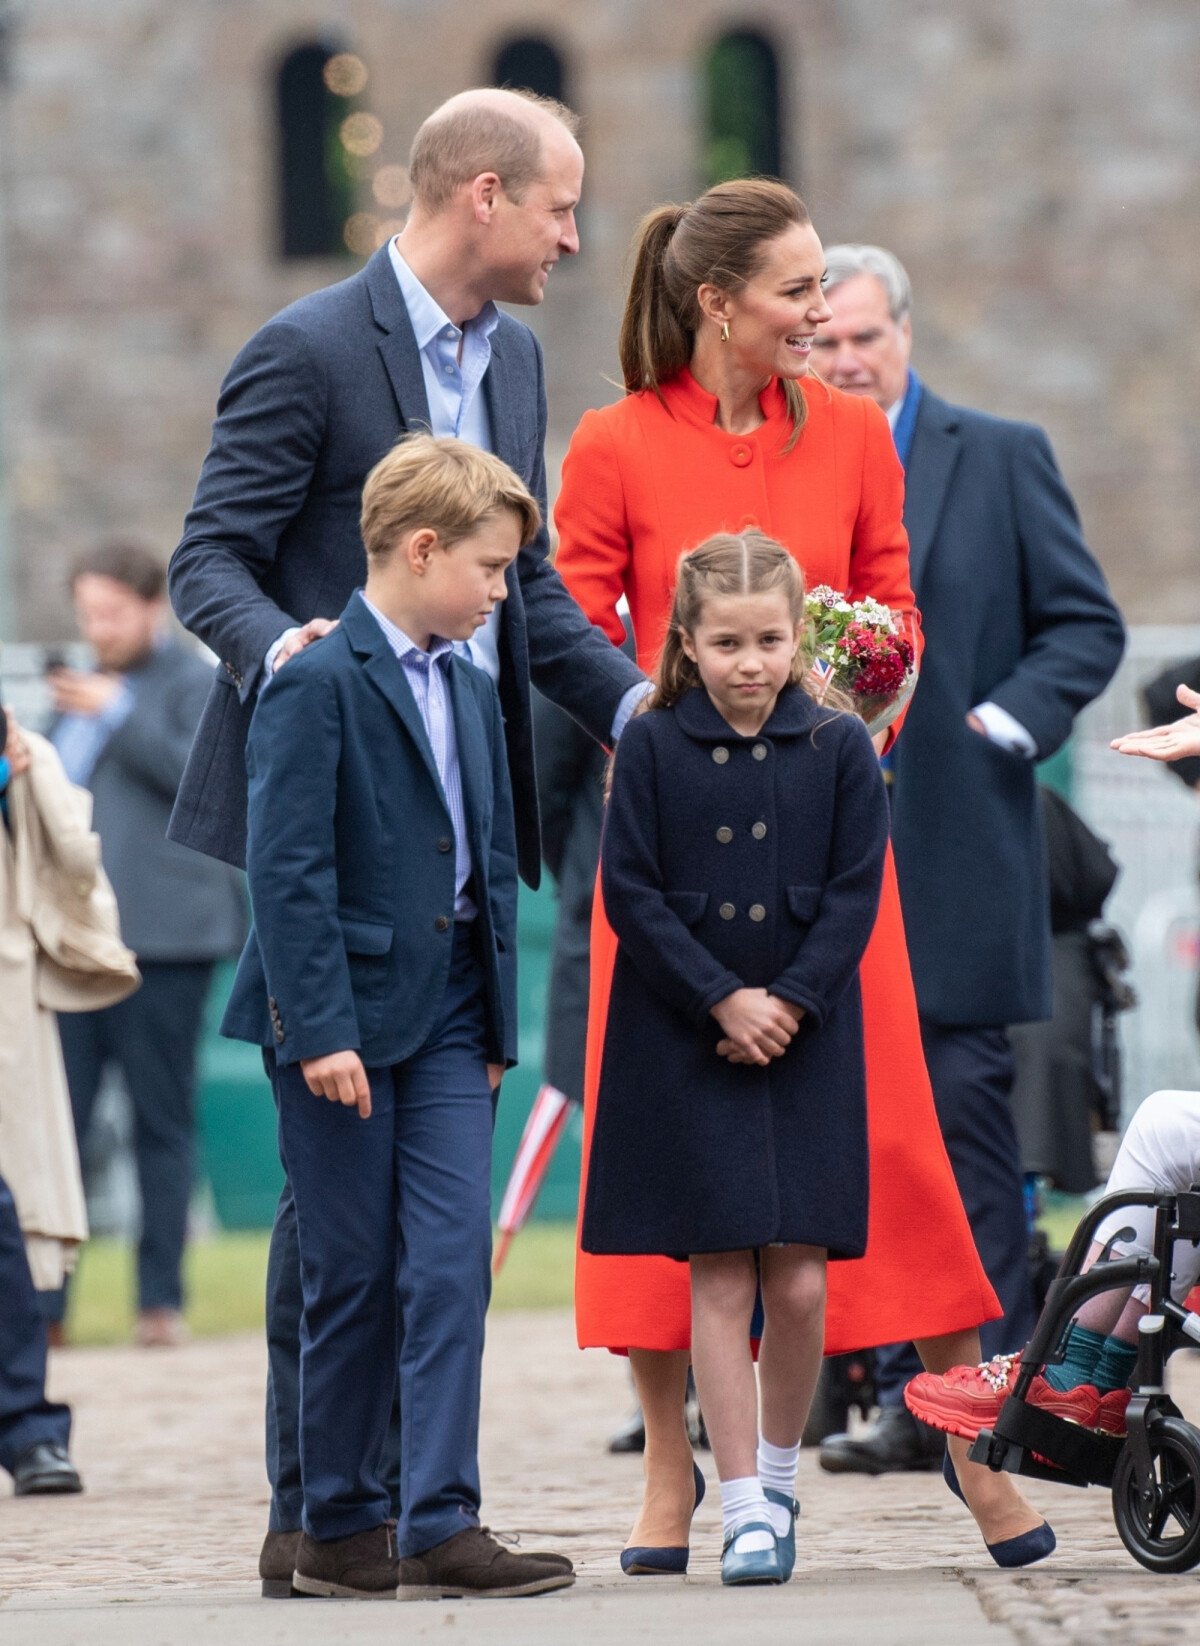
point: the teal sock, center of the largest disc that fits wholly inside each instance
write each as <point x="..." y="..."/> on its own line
<point x="1084" y="1350"/>
<point x="1115" y="1366"/>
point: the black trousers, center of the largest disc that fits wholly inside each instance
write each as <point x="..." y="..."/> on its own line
<point x="152" y="1037"/>
<point x="971" y="1072"/>
<point x="27" y="1418"/>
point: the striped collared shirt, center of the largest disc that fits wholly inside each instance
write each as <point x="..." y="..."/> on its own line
<point x="427" y="674"/>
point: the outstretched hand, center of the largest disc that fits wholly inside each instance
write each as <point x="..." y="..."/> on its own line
<point x="1174" y="742"/>
<point x="757" y="1025"/>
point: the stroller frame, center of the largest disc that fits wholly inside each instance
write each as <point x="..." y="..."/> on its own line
<point x="1154" y="1471"/>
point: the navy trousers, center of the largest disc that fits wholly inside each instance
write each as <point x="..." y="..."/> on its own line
<point x="971" y="1072"/>
<point x="393" y="1222"/>
<point x="152" y="1037"/>
<point x="27" y="1418"/>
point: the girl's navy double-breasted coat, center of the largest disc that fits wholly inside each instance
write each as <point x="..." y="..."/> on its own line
<point x="731" y="862"/>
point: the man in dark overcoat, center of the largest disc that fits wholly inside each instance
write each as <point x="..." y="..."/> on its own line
<point x="271" y="550"/>
<point x="1020" y="633"/>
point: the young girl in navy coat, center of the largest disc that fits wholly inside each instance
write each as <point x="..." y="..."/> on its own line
<point x="741" y="865"/>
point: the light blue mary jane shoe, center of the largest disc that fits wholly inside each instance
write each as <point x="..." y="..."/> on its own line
<point x="756" y="1565"/>
<point x="787" y="1543"/>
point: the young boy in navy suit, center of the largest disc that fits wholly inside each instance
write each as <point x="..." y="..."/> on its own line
<point x="380" y="979"/>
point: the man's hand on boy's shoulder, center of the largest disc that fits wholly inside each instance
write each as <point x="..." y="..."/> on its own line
<point x="339" y="1077"/>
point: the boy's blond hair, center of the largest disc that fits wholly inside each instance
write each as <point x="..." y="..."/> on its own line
<point x="444" y="485"/>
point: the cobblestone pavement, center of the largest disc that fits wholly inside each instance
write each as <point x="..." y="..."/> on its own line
<point x="163" y="1545"/>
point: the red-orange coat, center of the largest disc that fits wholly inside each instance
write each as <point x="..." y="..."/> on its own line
<point x="643" y="481"/>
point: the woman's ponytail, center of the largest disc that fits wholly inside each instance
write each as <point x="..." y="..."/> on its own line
<point x="654" y="343"/>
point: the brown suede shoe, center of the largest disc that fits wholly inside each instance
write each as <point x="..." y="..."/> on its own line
<point x="473" y="1562"/>
<point x="363" y="1566"/>
<point x="276" y="1563"/>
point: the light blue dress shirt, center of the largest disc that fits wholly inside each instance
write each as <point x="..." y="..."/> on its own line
<point x="427" y="676"/>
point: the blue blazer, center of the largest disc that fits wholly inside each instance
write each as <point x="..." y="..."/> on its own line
<point x="1014" y="609"/>
<point x="350" y="857"/>
<point x="309" y="406"/>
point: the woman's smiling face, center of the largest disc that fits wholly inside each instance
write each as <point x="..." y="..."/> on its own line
<point x="773" y="318"/>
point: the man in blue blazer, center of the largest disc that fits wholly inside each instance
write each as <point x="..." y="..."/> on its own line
<point x="1020" y="633"/>
<point x="271" y="549"/>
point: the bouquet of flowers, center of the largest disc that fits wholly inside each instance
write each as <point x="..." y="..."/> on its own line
<point x="864" y="649"/>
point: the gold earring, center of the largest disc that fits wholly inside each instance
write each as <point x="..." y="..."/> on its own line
<point x="725" y="332"/>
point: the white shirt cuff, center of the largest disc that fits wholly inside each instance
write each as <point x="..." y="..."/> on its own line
<point x="627" y="705"/>
<point x="273" y="652"/>
<point x="1001" y="728"/>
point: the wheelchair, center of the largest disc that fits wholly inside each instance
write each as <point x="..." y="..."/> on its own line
<point x="1154" y="1470"/>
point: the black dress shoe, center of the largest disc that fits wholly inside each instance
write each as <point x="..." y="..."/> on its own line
<point x="894" y="1443"/>
<point x="631" y="1436"/>
<point x="45" y="1469"/>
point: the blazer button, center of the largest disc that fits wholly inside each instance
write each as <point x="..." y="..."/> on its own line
<point x="756" y="912"/>
<point x="444" y="845"/>
<point x="759" y="751"/>
<point x="720" y="754"/>
<point x="740" y="456"/>
<point x="727" y="911"/>
<point x="724" y="834"/>
<point x="759" y="831"/>
<point x="279" y="1034"/>
<point x="441" y="924"/>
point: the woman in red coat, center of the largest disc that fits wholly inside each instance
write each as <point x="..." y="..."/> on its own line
<point x="722" y="429"/>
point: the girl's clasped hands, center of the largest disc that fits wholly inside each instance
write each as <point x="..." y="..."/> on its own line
<point x="758" y="1026"/>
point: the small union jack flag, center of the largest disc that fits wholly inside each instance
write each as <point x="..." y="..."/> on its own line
<point x="822" y="672"/>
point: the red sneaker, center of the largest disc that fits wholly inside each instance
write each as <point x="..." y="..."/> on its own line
<point x="968" y="1398"/>
<point x="1110" y="1419"/>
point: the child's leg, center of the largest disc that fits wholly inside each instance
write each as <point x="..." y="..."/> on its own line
<point x="340" y="1168"/>
<point x="793" y="1340"/>
<point x="443" y="1198"/>
<point x="724" y="1285"/>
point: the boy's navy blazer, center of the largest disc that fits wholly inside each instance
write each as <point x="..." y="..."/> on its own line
<point x="350" y="856"/>
<point x="309" y="406"/>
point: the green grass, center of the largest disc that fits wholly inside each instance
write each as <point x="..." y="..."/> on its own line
<point x="226" y="1276"/>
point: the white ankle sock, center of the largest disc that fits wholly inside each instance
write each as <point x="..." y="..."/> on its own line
<point x="742" y="1501"/>
<point x="777" y="1467"/>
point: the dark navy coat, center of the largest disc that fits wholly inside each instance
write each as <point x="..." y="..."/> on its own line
<point x="1014" y="609"/>
<point x="350" y="857"/>
<point x="732" y="862"/>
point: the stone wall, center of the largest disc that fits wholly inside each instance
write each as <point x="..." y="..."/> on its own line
<point x="1035" y="165"/>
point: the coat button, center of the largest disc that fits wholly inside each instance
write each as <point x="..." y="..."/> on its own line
<point x="441" y="924"/>
<point x="759" y="751"/>
<point x="444" y="845"/>
<point x="756" y="912"/>
<point x="720" y="754"/>
<point x="748" y="523"/>
<point x="759" y="831"/>
<point x="727" y="911"/>
<point x="740" y="456"/>
<point x="724" y="834"/>
<point x="279" y="1034"/>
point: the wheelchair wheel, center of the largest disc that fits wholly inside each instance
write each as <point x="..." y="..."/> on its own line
<point x="1163" y="1531"/>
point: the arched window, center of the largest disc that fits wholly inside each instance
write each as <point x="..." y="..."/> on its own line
<point x="316" y="91"/>
<point x="530" y="63"/>
<point x="743" y="134"/>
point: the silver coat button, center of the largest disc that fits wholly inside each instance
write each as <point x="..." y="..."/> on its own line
<point x="720" y="754"/>
<point x="759" y="831"/>
<point x="724" y="834"/>
<point x="759" y="751"/>
<point x="727" y="911"/>
<point x="757" y="912"/>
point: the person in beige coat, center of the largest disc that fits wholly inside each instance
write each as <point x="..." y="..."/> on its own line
<point x="60" y="951"/>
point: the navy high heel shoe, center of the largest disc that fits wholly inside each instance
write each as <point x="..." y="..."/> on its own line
<point x="662" y="1562"/>
<point x="1010" y="1551"/>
